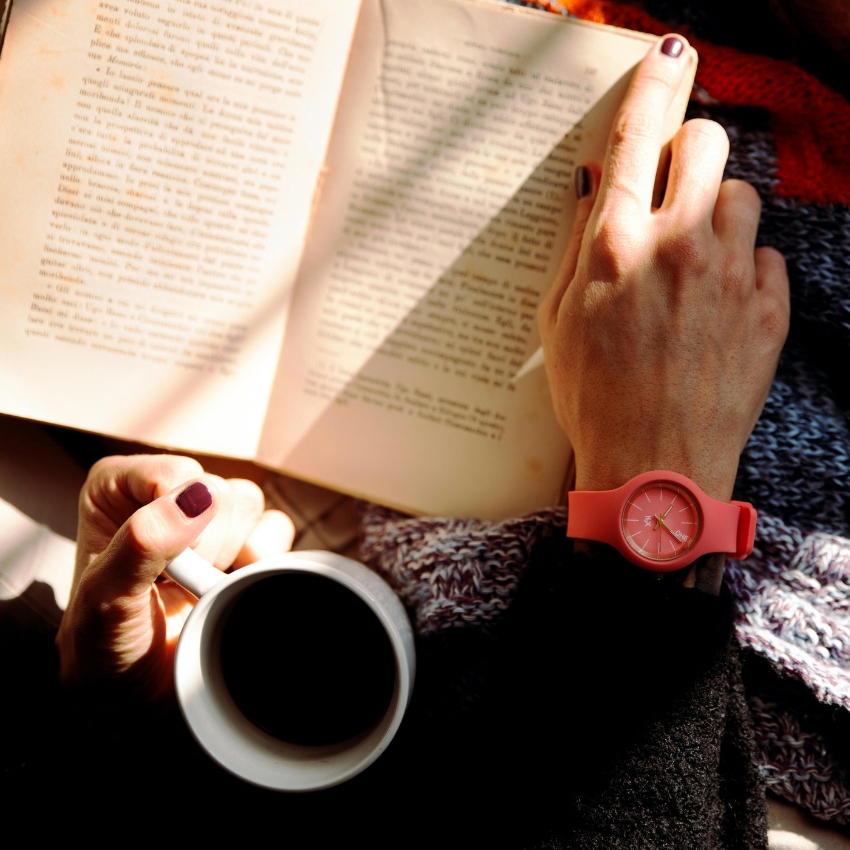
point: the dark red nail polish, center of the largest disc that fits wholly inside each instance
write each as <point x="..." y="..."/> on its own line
<point x="582" y="181"/>
<point x="194" y="500"/>
<point x="672" y="47"/>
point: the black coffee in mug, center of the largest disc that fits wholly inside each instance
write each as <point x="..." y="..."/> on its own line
<point x="306" y="659"/>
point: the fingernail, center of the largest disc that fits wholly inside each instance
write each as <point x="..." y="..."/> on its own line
<point x="672" y="47"/>
<point x="582" y="180"/>
<point x="194" y="500"/>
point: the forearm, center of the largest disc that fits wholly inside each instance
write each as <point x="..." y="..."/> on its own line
<point x="628" y="692"/>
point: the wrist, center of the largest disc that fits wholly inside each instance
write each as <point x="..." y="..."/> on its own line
<point x="609" y="472"/>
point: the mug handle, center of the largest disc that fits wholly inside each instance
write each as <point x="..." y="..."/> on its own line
<point x="193" y="573"/>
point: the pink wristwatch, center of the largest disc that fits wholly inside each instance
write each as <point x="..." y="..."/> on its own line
<point x="662" y="521"/>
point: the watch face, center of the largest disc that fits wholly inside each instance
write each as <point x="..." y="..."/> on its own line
<point x="661" y="521"/>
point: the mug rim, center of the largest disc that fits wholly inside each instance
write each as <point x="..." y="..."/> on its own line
<point x="241" y="747"/>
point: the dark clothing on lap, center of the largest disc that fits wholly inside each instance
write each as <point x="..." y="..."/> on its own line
<point x="604" y="710"/>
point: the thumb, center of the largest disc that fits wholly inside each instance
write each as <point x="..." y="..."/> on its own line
<point x="586" y="181"/>
<point x="151" y="537"/>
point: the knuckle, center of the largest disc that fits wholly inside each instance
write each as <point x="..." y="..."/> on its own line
<point x="96" y="481"/>
<point x="282" y="522"/>
<point x="775" y="320"/>
<point x="634" y="124"/>
<point x="250" y="496"/>
<point x="99" y="466"/>
<point x="687" y="247"/>
<point x="615" y="225"/>
<point x="143" y="535"/>
<point x="738" y="276"/>
<point x="101" y="469"/>
<point x="86" y="507"/>
<point x="184" y="467"/>
<point x="777" y="258"/>
<point x="606" y="253"/>
<point x="621" y="194"/>
<point x="706" y="131"/>
<point x="744" y="194"/>
<point x="654" y="80"/>
<point x="101" y="611"/>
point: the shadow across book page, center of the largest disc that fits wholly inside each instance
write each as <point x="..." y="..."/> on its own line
<point x="445" y="211"/>
<point x="315" y="238"/>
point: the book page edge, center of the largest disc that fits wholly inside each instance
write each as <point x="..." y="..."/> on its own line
<point x="567" y="19"/>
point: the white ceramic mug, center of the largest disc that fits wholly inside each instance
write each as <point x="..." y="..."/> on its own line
<point x="211" y="712"/>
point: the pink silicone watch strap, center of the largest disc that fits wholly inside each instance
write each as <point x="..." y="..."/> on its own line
<point x="725" y="527"/>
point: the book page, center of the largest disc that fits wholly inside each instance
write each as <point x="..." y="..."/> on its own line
<point x="446" y="208"/>
<point x="159" y="162"/>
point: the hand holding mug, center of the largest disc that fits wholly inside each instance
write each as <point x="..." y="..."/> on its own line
<point x="135" y="514"/>
<point x="293" y="673"/>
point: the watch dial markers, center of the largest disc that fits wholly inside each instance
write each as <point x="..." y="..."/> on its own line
<point x="661" y="521"/>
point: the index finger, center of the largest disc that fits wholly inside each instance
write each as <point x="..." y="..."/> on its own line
<point x="638" y="134"/>
<point x="117" y="486"/>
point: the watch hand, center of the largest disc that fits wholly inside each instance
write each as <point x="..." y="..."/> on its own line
<point x="659" y="522"/>
<point x="662" y="524"/>
<point x="664" y="515"/>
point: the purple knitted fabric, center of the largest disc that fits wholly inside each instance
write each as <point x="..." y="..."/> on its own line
<point x="797" y="762"/>
<point x="793" y="608"/>
<point x="451" y="572"/>
<point x="793" y="605"/>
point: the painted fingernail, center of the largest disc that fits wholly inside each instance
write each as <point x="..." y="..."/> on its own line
<point x="582" y="181"/>
<point x="194" y="500"/>
<point x="672" y="47"/>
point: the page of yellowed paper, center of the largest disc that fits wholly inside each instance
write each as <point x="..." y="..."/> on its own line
<point x="159" y="161"/>
<point x="447" y="204"/>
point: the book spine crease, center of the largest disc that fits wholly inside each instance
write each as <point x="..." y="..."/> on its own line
<point x="4" y="22"/>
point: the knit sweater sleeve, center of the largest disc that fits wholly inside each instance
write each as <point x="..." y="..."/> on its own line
<point x="633" y="728"/>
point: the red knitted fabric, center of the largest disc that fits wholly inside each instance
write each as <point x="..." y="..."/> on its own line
<point x="811" y="123"/>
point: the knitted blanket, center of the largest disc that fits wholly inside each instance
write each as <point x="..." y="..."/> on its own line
<point x="790" y="138"/>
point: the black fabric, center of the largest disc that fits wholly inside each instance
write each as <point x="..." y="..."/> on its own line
<point x="755" y="26"/>
<point x="638" y="696"/>
<point x="606" y="710"/>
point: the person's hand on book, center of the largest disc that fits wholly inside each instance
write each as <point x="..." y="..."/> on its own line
<point x="135" y="514"/>
<point x="663" y="331"/>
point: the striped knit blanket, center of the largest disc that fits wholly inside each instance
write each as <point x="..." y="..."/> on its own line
<point x="790" y="138"/>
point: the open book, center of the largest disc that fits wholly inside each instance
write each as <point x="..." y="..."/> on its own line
<point x="313" y="235"/>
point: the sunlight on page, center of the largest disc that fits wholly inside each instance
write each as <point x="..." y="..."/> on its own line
<point x="452" y="162"/>
<point x="174" y="157"/>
